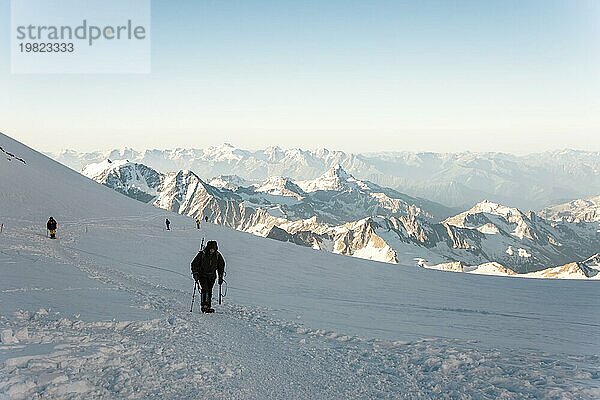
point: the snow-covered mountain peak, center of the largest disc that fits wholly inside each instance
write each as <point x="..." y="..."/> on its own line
<point x="230" y="182"/>
<point x="322" y="152"/>
<point x="187" y="181"/>
<point x="490" y="218"/>
<point x="485" y="207"/>
<point x="338" y="172"/>
<point x="132" y="179"/>
<point x="225" y="152"/>
<point x="280" y="186"/>
<point x="273" y="150"/>
<point x="183" y="192"/>
<point x="335" y="178"/>
<point x="187" y="172"/>
<point x="148" y="185"/>
<point x="103" y="167"/>
<point x="183" y="175"/>
<point x="272" y="154"/>
<point x="110" y="166"/>
<point x="580" y="210"/>
<point x="124" y="153"/>
<point x="490" y="207"/>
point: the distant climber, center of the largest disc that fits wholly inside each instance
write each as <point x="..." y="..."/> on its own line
<point x="168" y="224"/>
<point x="197" y="223"/>
<point x="51" y="226"/>
<point x="205" y="266"/>
<point x="206" y="218"/>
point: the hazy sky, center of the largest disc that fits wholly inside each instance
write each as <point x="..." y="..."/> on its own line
<point x="517" y="76"/>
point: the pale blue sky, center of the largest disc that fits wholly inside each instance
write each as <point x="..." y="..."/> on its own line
<point x="516" y="76"/>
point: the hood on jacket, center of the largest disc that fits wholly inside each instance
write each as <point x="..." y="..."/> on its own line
<point x="212" y="244"/>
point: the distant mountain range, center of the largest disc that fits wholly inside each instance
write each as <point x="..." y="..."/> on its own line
<point x="457" y="180"/>
<point x="334" y="198"/>
<point x="342" y="214"/>
<point x="579" y="210"/>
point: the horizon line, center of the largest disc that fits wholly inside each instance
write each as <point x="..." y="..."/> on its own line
<point x="316" y="149"/>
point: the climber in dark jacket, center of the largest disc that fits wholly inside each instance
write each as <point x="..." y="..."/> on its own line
<point x="51" y="226"/>
<point x="205" y="267"/>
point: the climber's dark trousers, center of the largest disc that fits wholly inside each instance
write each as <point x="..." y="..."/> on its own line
<point x="206" y="285"/>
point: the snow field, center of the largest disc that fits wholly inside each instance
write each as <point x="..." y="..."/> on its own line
<point x="158" y="349"/>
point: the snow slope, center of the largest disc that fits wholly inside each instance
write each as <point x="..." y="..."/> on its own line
<point x="104" y="312"/>
<point x="38" y="187"/>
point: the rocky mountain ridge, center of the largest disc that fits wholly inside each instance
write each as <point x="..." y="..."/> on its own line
<point x="337" y="212"/>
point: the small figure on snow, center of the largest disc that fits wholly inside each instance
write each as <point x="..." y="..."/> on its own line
<point x="51" y="226"/>
<point x="197" y="223"/>
<point x="206" y="218"/>
<point x="168" y="223"/>
<point x="205" y="266"/>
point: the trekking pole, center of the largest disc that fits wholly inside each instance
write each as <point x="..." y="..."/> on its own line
<point x="196" y="282"/>
<point x="222" y="293"/>
<point x="193" y="296"/>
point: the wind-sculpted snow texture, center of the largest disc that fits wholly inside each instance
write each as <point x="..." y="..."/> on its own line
<point x="529" y="182"/>
<point x="103" y="312"/>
